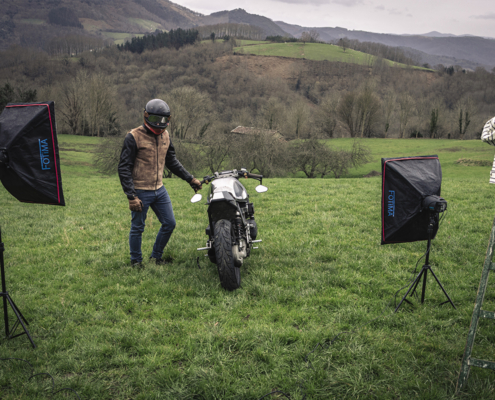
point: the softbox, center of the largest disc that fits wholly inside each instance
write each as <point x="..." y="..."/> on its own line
<point x="29" y="160"/>
<point x="406" y="181"/>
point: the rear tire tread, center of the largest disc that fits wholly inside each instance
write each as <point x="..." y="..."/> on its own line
<point x="230" y="276"/>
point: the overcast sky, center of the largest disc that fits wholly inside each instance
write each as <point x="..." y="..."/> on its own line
<point x="474" y="17"/>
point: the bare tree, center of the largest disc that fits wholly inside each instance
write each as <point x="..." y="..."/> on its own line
<point x="297" y="120"/>
<point x="368" y="105"/>
<point x="261" y="151"/>
<point x="272" y="113"/>
<point x="406" y="107"/>
<point x="326" y="116"/>
<point x="316" y="159"/>
<point x="359" y="111"/>
<point x="314" y="35"/>
<point x="389" y="105"/>
<point x="191" y="112"/>
<point x="435" y="126"/>
<point x="216" y="146"/>
<point x="343" y="43"/>
<point x="73" y="104"/>
<point x="100" y="113"/>
<point x="311" y="36"/>
<point x="465" y="110"/>
<point x="346" y="111"/>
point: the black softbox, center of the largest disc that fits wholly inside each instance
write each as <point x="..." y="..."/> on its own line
<point x="406" y="181"/>
<point x="29" y="159"/>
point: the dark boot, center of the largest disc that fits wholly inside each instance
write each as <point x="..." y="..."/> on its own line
<point x="161" y="261"/>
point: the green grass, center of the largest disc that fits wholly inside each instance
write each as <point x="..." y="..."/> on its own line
<point x="448" y="151"/>
<point x="145" y="23"/>
<point x="245" y="42"/>
<point x="113" y="332"/>
<point x="312" y="51"/>
<point x="33" y="21"/>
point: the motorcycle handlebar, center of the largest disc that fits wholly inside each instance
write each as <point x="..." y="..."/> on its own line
<point x="208" y="179"/>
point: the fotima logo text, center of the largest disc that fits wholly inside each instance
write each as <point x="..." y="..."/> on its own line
<point x="44" y="154"/>
<point x="391" y="203"/>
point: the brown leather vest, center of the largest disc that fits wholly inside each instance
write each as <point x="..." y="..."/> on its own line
<point x="147" y="173"/>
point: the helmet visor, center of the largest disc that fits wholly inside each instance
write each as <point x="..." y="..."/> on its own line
<point x="159" y="120"/>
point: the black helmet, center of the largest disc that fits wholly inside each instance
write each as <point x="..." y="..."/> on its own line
<point x="157" y="114"/>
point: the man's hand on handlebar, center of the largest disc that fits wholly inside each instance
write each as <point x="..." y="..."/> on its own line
<point x="196" y="184"/>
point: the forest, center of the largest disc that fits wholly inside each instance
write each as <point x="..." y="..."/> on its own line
<point x="102" y="92"/>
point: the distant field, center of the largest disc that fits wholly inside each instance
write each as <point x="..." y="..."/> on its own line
<point x="311" y="51"/>
<point x="33" y="21"/>
<point x="242" y="42"/>
<point x="145" y="23"/>
<point x="448" y="151"/>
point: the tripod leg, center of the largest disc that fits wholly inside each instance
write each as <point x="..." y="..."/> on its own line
<point x="414" y="284"/>
<point x="19" y="311"/>
<point x="16" y="312"/>
<point x="417" y="283"/>
<point x="443" y="290"/>
<point x="5" y="313"/>
<point x="424" y="285"/>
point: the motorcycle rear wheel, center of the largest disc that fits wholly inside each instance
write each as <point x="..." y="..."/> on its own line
<point x="229" y="274"/>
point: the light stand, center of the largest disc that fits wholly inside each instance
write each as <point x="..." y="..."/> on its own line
<point x="7" y="298"/>
<point x="425" y="269"/>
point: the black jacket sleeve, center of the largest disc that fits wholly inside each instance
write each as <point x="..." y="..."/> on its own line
<point x="175" y="166"/>
<point x="126" y="164"/>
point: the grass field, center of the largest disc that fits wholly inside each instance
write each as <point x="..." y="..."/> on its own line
<point x="33" y="21"/>
<point x="245" y="42"/>
<point x="109" y="331"/>
<point x="311" y="51"/>
<point x="145" y="23"/>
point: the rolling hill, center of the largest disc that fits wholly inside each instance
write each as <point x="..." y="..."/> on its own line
<point x="466" y="51"/>
<point x="33" y="22"/>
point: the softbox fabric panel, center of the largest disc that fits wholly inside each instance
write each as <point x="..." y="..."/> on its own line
<point x="406" y="181"/>
<point x="29" y="158"/>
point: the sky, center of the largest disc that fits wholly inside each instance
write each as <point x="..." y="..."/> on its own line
<point x="472" y="17"/>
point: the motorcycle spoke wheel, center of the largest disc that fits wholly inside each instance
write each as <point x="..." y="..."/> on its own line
<point x="230" y="275"/>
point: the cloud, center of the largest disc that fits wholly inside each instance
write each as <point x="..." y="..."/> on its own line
<point x="347" y="3"/>
<point x="485" y="16"/>
<point x="394" y="11"/>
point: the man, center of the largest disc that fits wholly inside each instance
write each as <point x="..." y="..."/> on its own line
<point x="146" y="151"/>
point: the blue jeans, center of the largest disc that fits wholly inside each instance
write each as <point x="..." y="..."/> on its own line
<point x="160" y="203"/>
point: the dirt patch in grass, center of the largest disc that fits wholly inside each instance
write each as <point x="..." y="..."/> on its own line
<point x="454" y="149"/>
<point x="76" y="150"/>
<point x="266" y="65"/>
<point x="371" y="174"/>
<point x="470" y="162"/>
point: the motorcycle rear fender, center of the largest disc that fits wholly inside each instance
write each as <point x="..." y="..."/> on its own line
<point x="222" y="210"/>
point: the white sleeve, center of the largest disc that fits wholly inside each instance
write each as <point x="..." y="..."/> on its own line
<point x="487" y="135"/>
<point x="492" y="173"/>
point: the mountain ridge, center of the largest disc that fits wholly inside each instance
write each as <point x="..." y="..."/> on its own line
<point x="477" y="50"/>
<point x="27" y="22"/>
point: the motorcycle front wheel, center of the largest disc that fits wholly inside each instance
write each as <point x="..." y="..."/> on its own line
<point x="230" y="275"/>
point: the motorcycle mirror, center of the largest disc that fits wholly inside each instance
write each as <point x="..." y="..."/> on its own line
<point x="197" y="197"/>
<point x="261" y="189"/>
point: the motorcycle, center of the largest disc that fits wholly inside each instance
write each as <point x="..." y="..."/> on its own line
<point x="232" y="230"/>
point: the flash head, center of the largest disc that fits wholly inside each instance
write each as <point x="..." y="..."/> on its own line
<point x="434" y="204"/>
